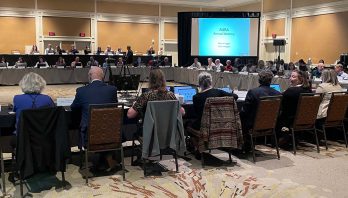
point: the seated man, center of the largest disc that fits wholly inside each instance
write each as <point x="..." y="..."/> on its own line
<point x="207" y="91"/>
<point x="341" y="75"/>
<point x="151" y="51"/>
<point x="92" y="62"/>
<point x="96" y="92"/>
<point x="196" y="64"/>
<point x="76" y="62"/>
<point x="317" y="71"/>
<point x="73" y="50"/>
<point x="219" y="65"/>
<point x="166" y="62"/>
<point x="252" y="98"/>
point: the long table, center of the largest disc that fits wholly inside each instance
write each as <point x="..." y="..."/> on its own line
<point x="181" y="75"/>
<point x="52" y="59"/>
<point x="71" y="76"/>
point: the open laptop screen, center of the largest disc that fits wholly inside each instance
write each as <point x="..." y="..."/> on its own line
<point x="276" y="87"/>
<point x="226" y="89"/>
<point x="187" y="93"/>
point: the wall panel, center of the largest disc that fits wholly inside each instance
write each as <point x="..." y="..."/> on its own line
<point x="65" y="26"/>
<point x="75" y="5"/>
<point x="275" y="26"/>
<point x="138" y="35"/>
<point x="17" y="32"/>
<point x="18" y="3"/>
<point x="172" y="11"/>
<point x="276" y="5"/>
<point x="302" y="3"/>
<point x="127" y="8"/>
<point x="170" y="31"/>
<point x="254" y="7"/>
<point x="320" y="37"/>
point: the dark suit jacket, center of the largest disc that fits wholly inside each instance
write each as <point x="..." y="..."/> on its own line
<point x="129" y="57"/>
<point x="96" y="92"/>
<point x="289" y="105"/>
<point x="252" y="98"/>
<point x="199" y="102"/>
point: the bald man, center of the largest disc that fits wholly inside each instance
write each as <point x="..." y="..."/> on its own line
<point x="96" y="92"/>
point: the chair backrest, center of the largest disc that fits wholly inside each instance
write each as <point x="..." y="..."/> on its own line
<point x="163" y="127"/>
<point x="220" y="124"/>
<point x="105" y="127"/>
<point x="307" y="110"/>
<point x="337" y="108"/>
<point x="267" y="113"/>
<point x="42" y="140"/>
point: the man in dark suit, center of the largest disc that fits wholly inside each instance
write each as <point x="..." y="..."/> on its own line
<point x="129" y="56"/>
<point x="96" y="92"/>
<point x="252" y="98"/>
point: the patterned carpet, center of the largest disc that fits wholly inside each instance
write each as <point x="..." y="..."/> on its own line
<point x="291" y="176"/>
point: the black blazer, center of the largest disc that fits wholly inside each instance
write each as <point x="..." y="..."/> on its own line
<point x="199" y="102"/>
<point x="252" y="98"/>
<point x="289" y="105"/>
<point x="96" y="92"/>
<point x="129" y="57"/>
<point x="42" y="141"/>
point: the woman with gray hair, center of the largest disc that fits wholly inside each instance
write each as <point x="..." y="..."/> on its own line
<point x="32" y="85"/>
<point x="206" y="91"/>
<point x="329" y="84"/>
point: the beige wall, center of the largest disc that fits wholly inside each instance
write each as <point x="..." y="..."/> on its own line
<point x="65" y="26"/>
<point x="72" y="5"/>
<point x="276" y="26"/>
<point x="138" y="35"/>
<point x="320" y="37"/>
<point x="16" y="33"/>
<point x="17" y="3"/>
<point x="172" y="11"/>
<point x="276" y="5"/>
<point x="302" y="3"/>
<point x="254" y="7"/>
<point x="127" y="8"/>
<point x="170" y="31"/>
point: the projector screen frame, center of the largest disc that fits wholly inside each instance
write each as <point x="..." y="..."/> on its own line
<point x="185" y="35"/>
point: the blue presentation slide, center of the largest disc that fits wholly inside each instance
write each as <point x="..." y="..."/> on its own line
<point x="224" y="36"/>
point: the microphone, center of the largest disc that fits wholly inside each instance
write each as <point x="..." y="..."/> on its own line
<point x="140" y="86"/>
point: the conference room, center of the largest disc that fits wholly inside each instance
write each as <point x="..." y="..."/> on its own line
<point x="148" y="98"/>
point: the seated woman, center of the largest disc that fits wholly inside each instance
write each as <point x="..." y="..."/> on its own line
<point x="41" y="63"/>
<point x="76" y="63"/>
<point x="32" y="85"/>
<point x="299" y="84"/>
<point x="120" y="62"/>
<point x="207" y="91"/>
<point x="329" y="85"/>
<point x="3" y="62"/>
<point x="60" y="62"/>
<point x="34" y="50"/>
<point x="21" y="63"/>
<point x="158" y="91"/>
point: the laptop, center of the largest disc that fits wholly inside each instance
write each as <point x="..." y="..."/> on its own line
<point x="276" y="87"/>
<point x="187" y="93"/>
<point x="176" y="88"/>
<point x="226" y="89"/>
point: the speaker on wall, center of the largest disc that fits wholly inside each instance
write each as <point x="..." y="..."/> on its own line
<point x="279" y="42"/>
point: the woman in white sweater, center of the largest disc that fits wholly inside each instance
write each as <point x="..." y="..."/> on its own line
<point x="329" y="84"/>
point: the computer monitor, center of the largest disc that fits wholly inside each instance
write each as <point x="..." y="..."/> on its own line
<point x="187" y="94"/>
<point x="226" y="89"/>
<point x="276" y="87"/>
<point x="130" y="82"/>
<point x="176" y="88"/>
